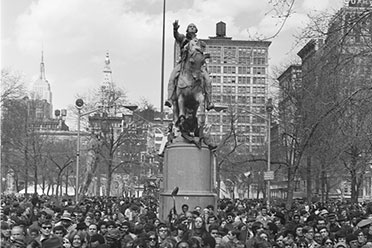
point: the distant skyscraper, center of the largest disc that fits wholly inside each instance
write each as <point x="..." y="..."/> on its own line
<point x="41" y="91"/>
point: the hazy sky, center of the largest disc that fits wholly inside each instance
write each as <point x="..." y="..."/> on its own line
<point x="76" y="34"/>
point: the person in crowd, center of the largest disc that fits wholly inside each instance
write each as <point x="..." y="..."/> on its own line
<point x="5" y="234"/>
<point x="183" y="244"/>
<point x="152" y="240"/>
<point x="200" y="231"/>
<point x="362" y="239"/>
<point x="97" y="216"/>
<point x="318" y="238"/>
<point x="66" y="222"/>
<point x="264" y="216"/>
<point x="231" y="240"/>
<point x="77" y="239"/>
<point x="18" y="237"/>
<point x="96" y="240"/>
<point x="252" y="242"/>
<point x="163" y="233"/>
<point x="59" y="231"/>
<point x="327" y="243"/>
<point x="66" y="242"/>
<point x="215" y="233"/>
<point x="45" y="235"/>
<point x="302" y="243"/>
<point x="308" y="232"/>
<point x="182" y="233"/>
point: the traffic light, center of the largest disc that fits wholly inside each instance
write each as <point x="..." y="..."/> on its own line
<point x="79" y="103"/>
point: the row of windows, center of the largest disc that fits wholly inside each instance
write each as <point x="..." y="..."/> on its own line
<point x="240" y="128"/>
<point x="230" y="99"/>
<point x="232" y="69"/>
<point x="238" y="89"/>
<point x="216" y="59"/>
<point x="240" y="51"/>
<point x="241" y="80"/>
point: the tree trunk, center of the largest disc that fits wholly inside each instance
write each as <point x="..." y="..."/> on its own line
<point x="290" y="188"/>
<point x="309" y="194"/>
<point x="92" y="164"/>
<point x="218" y="179"/>
<point x="322" y="182"/>
<point x="109" y="178"/>
<point x="35" y="179"/>
<point x="354" y="188"/>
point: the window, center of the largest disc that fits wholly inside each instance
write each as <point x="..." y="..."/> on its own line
<point x="244" y="51"/>
<point x="229" y="80"/>
<point x="229" y="55"/>
<point x="244" y="89"/>
<point x="258" y="90"/>
<point x="258" y="100"/>
<point x="216" y="88"/>
<point x="243" y="99"/>
<point x="259" y="70"/>
<point x="244" y="119"/>
<point x="258" y="129"/>
<point x="214" y="69"/>
<point x="258" y="139"/>
<point x="215" y="52"/>
<point x="225" y="128"/>
<point x="257" y="119"/>
<point x="214" y="118"/>
<point x="216" y="98"/>
<point x="228" y="99"/>
<point x="216" y="79"/>
<point x="228" y="89"/>
<point x="259" y="61"/>
<point x="243" y="60"/>
<point x="259" y="80"/>
<point x="244" y="70"/>
<point x="259" y="52"/>
<point x="243" y="80"/>
<point x="229" y="69"/>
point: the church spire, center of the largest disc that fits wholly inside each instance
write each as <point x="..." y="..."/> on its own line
<point x="42" y="67"/>
<point x="107" y="74"/>
<point x="107" y="68"/>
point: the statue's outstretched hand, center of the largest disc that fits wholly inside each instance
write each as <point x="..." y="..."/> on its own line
<point x="175" y="25"/>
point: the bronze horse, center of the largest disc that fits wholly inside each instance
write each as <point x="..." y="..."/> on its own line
<point x="189" y="94"/>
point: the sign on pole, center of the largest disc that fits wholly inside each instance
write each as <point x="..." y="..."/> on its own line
<point x="268" y="175"/>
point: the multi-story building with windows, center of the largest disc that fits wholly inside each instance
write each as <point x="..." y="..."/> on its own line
<point x="239" y="73"/>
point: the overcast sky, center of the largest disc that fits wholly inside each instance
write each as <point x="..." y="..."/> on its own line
<point x="76" y="34"/>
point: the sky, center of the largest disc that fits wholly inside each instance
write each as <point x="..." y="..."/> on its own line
<point x="76" y="34"/>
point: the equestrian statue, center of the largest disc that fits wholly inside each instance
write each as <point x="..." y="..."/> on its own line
<point x="189" y="87"/>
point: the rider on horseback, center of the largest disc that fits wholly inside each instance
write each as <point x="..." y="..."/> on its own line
<point x="184" y="41"/>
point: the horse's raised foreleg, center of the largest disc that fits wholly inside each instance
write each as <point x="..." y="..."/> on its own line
<point x="201" y="118"/>
<point x="181" y="110"/>
<point x="176" y="111"/>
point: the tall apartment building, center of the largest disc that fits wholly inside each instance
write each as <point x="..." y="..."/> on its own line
<point x="239" y="73"/>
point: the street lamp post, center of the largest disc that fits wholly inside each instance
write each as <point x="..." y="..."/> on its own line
<point x="79" y="105"/>
<point x="269" y="109"/>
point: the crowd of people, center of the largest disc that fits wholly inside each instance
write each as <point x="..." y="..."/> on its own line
<point x="111" y="222"/>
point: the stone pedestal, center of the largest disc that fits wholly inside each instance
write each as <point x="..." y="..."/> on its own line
<point x="191" y="170"/>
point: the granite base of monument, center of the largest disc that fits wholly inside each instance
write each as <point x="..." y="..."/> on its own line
<point x="191" y="170"/>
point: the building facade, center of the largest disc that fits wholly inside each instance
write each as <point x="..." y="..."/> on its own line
<point x="333" y="68"/>
<point x="239" y="73"/>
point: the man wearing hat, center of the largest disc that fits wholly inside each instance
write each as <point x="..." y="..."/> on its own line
<point x="66" y="222"/>
<point x="352" y="240"/>
<point x="5" y="232"/>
